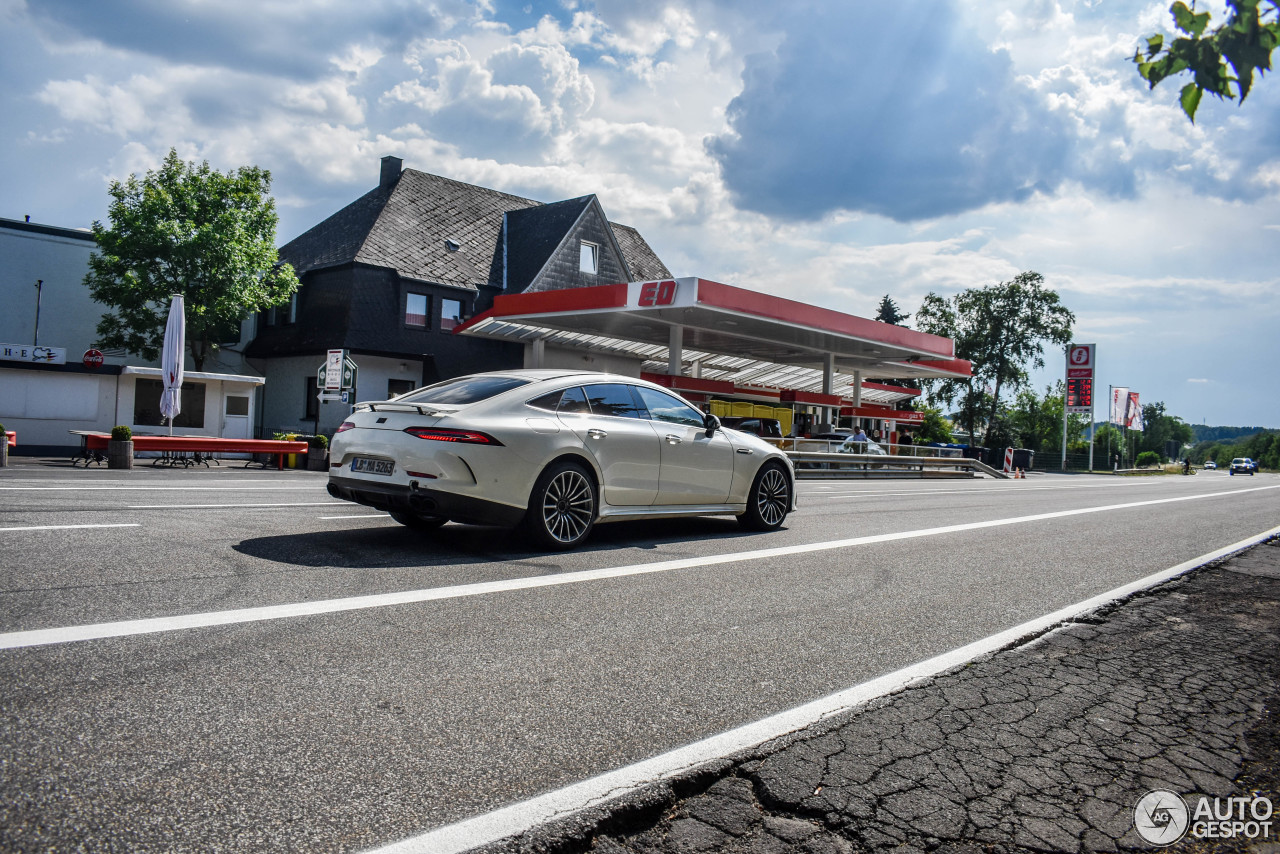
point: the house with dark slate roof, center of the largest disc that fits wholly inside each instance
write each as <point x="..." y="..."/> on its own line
<point x="389" y="276"/>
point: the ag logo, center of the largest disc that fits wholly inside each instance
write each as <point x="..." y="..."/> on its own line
<point x="1161" y="817"/>
<point x="657" y="293"/>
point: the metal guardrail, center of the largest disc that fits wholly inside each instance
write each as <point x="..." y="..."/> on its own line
<point x="818" y="465"/>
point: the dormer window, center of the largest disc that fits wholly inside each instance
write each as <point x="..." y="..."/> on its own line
<point x="589" y="258"/>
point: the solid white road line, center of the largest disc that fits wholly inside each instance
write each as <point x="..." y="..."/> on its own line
<point x="526" y="815"/>
<point x="95" y="631"/>
<point x="71" y="527"/>
<point x="224" y="506"/>
<point x="363" y="516"/>
<point x="156" y="488"/>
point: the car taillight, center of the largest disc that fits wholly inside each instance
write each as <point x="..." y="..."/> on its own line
<point x="344" y="426"/>
<point x="466" y="437"/>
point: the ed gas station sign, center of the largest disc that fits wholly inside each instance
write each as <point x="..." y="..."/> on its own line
<point x="1080" y="368"/>
<point x="32" y="354"/>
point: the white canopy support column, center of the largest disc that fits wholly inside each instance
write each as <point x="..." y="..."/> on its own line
<point x="675" y="350"/>
<point x="831" y="416"/>
<point x="857" y="388"/>
<point x="537" y="353"/>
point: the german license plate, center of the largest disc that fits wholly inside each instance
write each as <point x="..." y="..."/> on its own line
<point x="368" y="466"/>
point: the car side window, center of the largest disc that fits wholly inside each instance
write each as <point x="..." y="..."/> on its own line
<point x="574" y="402"/>
<point x="569" y="401"/>
<point x="664" y="407"/>
<point x="613" y="399"/>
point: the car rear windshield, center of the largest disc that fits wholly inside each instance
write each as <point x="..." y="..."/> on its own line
<point x="464" y="390"/>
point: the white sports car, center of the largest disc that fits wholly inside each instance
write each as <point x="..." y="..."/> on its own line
<point x="555" y="452"/>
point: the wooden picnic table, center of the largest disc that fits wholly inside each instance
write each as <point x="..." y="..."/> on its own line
<point x="97" y="443"/>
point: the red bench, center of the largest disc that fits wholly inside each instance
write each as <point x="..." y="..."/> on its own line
<point x="203" y="445"/>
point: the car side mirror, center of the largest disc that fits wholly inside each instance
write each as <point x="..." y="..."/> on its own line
<point x="711" y="423"/>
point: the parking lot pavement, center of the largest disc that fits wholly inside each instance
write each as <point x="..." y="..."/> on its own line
<point x="1048" y="746"/>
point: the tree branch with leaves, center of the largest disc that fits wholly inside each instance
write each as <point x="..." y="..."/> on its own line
<point x="1222" y="60"/>
<point x="190" y="230"/>
<point x="1001" y="329"/>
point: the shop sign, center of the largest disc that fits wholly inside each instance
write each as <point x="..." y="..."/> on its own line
<point x="33" y="354"/>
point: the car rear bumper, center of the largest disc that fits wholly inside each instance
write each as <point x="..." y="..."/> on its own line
<point x="398" y="498"/>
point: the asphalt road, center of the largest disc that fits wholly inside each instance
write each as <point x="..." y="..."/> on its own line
<point x="351" y="729"/>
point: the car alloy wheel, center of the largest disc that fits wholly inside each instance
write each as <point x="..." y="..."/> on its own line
<point x="769" y="500"/>
<point x="563" y="509"/>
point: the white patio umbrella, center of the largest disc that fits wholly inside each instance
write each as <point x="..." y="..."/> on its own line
<point x="175" y="344"/>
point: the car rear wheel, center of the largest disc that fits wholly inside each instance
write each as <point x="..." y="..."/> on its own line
<point x="769" y="500"/>
<point x="419" y="523"/>
<point x="562" y="508"/>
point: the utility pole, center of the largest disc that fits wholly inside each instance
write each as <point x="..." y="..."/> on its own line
<point x="36" y="337"/>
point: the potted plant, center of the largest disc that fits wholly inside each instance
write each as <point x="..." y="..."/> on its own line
<point x="4" y="447"/>
<point x="120" y="448"/>
<point x="318" y="453"/>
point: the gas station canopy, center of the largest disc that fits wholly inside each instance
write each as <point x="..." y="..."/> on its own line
<point x="719" y="332"/>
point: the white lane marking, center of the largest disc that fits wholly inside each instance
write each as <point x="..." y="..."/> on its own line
<point x="232" y="506"/>
<point x="526" y="815"/>
<point x="156" y="488"/>
<point x="124" y="628"/>
<point x="72" y="527"/>
<point x="993" y="489"/>
<point x="367" y="516"/>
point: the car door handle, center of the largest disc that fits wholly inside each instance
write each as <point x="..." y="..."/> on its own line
<point x="597" y="433"/>
<point x="673" y="439"/>
<point x="746" y="451"/>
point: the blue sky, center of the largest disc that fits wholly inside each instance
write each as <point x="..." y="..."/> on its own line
<point x="826" y="151"/>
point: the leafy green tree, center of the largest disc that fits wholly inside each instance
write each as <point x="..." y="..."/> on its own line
<point x="934" y="428"/>
<point x="1036" y="422"/>
<point x="888" y="312"/>
<point x="190" y="230"/>
<point x="1159" y="427"/>
<point x="1217" y="58"/>
<point x="1002" y="330"/>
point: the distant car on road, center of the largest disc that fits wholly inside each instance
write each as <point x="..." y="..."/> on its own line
<point x="1243" y="465"/>
<point x="1210" y="464"/>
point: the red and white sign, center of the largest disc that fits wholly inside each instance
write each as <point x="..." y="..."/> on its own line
<point x="93" y="359"/>
<point x="1080" y="356"/>
<point x="657" y="293"/>
<point x="1080" y="379"/>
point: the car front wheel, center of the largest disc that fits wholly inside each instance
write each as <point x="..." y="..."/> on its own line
<point x="769" y="500"/>
<point x="562" y="508"/>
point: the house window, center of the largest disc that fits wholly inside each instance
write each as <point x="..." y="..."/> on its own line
<point x="589" y="258"/>
<point x="292" y="310"/>
<point x="146" y="405"/>
<point x="395" y="388"/>
<point x="272" y="315"/>
<point x="450" y="314"/>
<point x="415" y="310"/>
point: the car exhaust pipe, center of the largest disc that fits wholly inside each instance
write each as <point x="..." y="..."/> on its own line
<point x="334" y="491"/>
<point x="422" y="504"/>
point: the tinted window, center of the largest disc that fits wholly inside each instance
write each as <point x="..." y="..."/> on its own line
<point x="664" y="407"/>
<point x="574" y="402"/>
<point x="613" y="399"/>
<point x="570" y="401"/>
<point x="465" y="390"/>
